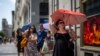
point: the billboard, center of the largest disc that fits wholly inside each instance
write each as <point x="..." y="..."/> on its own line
<point x="92" y="31"/>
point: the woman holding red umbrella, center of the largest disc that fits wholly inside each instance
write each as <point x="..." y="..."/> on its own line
<point x="62" y="18"/>
<point x="62" y="41"/>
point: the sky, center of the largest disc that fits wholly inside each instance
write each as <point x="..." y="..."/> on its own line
<point x="6" y="7"/>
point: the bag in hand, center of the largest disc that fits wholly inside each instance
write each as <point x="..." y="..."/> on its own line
<point x="45" y="47"/>
<point x="24" y="42"/>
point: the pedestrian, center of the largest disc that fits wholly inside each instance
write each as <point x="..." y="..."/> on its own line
<point x="19" y="39"/>
<point x="24" y="43"/>
<point x="48" y="44"/>
<point x="32" y="42"/>
<point x="62" y="41"/>
<point x="41" y="37"/>
<point x="4" y="40"/>
<point x="49" y="40"/>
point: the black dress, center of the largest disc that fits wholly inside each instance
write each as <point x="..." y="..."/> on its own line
<point x="19" y="39"/>
<point x="61" y="47"/>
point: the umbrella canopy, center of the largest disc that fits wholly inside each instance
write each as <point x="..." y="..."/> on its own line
<point x="69" y="17"/>
<point x="46" y="26"/>
<point x="25" y="27"/>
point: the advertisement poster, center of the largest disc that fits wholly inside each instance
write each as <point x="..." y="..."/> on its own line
<point x="92" y="31"/>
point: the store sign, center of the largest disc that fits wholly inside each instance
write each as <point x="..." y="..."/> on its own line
<point x="43" y="20"/>
<point x="92" y="31"/>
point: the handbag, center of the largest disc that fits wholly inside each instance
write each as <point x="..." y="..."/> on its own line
<point x="24" y="42"/>
<point x="45" y="47"/>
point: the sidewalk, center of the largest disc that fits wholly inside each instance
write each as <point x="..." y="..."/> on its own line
<point x="8" y="49"/>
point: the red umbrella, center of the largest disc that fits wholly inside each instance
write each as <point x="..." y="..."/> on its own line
<point x="57" y="15"/>
<point x="69" y="17"/>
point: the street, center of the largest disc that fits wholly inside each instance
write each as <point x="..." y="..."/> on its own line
<point x="9" y="49"/>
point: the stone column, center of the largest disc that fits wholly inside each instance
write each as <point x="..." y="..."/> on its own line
<point x="35" y="12"/>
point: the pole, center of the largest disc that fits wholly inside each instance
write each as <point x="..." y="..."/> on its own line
<point x="71" y="3"/>
<point x="75" y="29"/>
<point x="30" y="5"/>
<point x="75" y="25"/>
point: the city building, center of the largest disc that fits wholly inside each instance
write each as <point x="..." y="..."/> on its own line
<point x="16" y="15"/>
<point x="10" y="31"/>
<point x="14" y="21"/>
<point x="90" y="41"/>
<point x="5" y="27"/>
<point x="31" y="11"/>
<point x="13" y="24"/>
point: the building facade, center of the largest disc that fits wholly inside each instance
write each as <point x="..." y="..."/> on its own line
<point x="30" y="11"/>
<point x="5" y="27"/>
<point x="10" y="31"/>
<point x="73" y="5"/>
<point x="17" y="18"/>
<point x="90" y="44"/>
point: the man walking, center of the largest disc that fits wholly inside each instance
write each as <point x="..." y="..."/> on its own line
<point x="41" y="36"/>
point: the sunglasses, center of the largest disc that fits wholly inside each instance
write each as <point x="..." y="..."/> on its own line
<point x="61" y="22"/>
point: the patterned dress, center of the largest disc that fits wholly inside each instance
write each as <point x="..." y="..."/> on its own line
<point x="32" y="46"/>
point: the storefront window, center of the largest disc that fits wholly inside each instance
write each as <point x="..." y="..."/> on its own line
<point x="92" y="31"/>
<point x="91" y="7"/>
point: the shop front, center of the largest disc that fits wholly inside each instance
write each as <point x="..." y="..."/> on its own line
<point x="90" y="44"/>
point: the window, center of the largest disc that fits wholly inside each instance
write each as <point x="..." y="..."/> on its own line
<point x="92" y="31"/>
<point x="92" y="6"/>
<point x="44" y="9"/>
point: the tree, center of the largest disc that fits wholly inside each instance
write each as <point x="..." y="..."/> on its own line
<point x="2" y="34"/>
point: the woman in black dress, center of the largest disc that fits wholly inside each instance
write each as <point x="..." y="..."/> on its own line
<point x="62" y="41"/>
